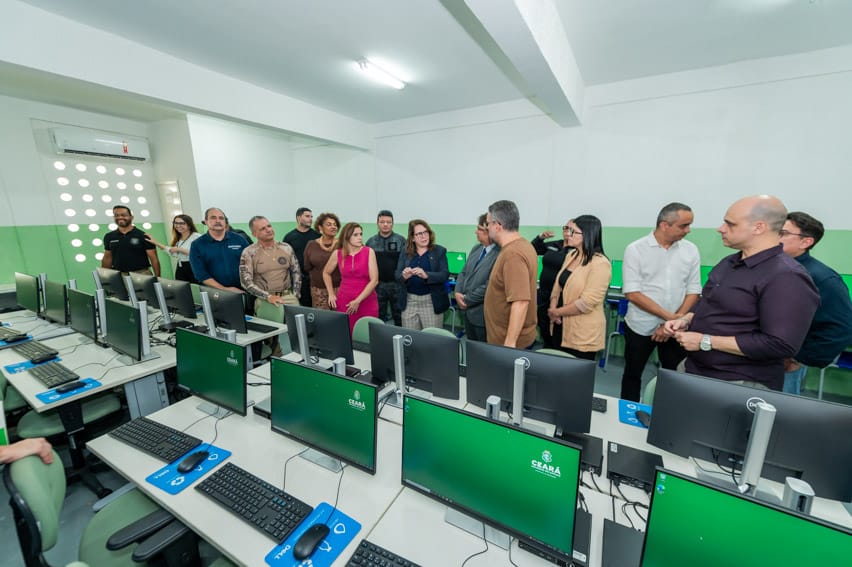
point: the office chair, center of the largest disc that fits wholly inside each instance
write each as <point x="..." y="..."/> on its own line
<point x="361" y="330"/>
<point x="274" y="313"/>
<point x="842" y="361"/>
<point x="440" y="331"/>
<point x="621" y="311"/>
<point x="37" y="492"/>
<point x="648" y="392"/>
<point x="12" y="400"/>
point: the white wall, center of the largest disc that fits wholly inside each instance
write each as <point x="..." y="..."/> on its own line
<point x="171" y="155"/>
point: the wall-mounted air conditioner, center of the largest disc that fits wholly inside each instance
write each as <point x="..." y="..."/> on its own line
<point x="81" y="141"/>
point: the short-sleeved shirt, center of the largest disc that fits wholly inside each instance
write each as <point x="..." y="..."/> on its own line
<point x="666" y="276"/>
<point x="767" y="302"/>
<point x="129" y="250"/>
<point x="299" y="240"/>
<point x="512" y="279"/>
<point x="218" y="259"/>
<point x="265" y="271"/>
<point x="387" y="251"/>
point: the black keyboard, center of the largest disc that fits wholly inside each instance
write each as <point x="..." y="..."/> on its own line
<point x="599" y="404"/>
<point x="11" y="335"/>
<point x="35" y="351"/>
<point x="53" y="374"/>
<point x="156" y="439"/>
<point x="259" y="328"/>
<point x="369" y="554"/>
<point x="267" y="508"/>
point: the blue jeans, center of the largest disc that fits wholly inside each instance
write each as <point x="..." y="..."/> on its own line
<point x="793" y="380"/>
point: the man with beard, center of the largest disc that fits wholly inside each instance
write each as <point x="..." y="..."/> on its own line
<point x="126" y="249"/>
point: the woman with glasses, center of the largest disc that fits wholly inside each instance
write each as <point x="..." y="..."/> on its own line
<point x="423" y="271"/>
<point x="552" y="254"/>
<point x="576" y="302"/>
<point x="359" y="275"/>
<point x="184" y="234"/>
<point x="316" y="255"/>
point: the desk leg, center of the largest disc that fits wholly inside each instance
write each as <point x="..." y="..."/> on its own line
<point x="146" y="395"/>
<point x="71" y="415"/>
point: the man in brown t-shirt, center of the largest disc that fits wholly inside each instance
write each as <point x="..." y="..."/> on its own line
<point x="510" y="315"/>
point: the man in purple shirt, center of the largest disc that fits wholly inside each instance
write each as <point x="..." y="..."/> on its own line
<point x="756" y="306"/>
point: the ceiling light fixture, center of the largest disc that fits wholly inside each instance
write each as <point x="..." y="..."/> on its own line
<point x="379" y="75"/>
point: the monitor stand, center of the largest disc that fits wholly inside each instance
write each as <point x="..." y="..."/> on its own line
<point x="477" y="528"/>
<point x="212" y="409"/>
<point x="127" y="360"/>
<point x="323" y="460"/>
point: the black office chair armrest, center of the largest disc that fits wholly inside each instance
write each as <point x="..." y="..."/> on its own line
<point x="160" y="541"/>
<point x="140" y="529"/>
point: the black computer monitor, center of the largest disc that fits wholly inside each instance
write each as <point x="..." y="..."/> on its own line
<point x="694" y="523"/>
<point x="228" y="308"/>
<point x="431" y="361"/>
<point x="143" y="287"/>
<point x="83" y="313"/>
<point x="328" y="332"/>
<point x="124" y="329"/>
<point x="710" y="419"/>
<point x="212" y="369"/>
<point x="333" y="414"/>
<point x="557" y="389"/>
<point x="178" y="296"/>
<point x="55" y="302"/>
<point x="112" y="283"/>
<point x="521" y="482"/>
<point x="28" y="292"/>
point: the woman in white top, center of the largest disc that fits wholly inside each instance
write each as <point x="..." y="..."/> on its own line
<point x="183" y="234"/>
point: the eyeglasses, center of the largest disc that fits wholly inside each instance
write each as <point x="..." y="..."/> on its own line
<point x="177" y="222"/>
<point x="482" y="229"/>
<point x="784" y="232"/>
<point x="571" y="231"/>
<point x="421" y="233"/>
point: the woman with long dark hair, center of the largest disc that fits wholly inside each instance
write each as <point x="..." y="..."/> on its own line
<point x="183" y="235"/>
<point x="576" y="302"/>
<point x="423" y="271"/>
<point x="359" y="275"/>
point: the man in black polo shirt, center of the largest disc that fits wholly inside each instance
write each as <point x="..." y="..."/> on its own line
<point x="125" y="248"/>
<point x="756" y="306"/>
<point x="298" y="238"/>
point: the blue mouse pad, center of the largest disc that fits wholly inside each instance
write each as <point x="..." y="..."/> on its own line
<point x="51" y="396"/>
<point x="26" y="365"/>
<point x="627" y="412"/>
<point x="343" y="530"/>
<point x="26" y="340"/>
<point x="169" y="480"/>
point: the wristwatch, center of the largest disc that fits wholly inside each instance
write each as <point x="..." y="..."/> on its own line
<point x="705" y="343"/>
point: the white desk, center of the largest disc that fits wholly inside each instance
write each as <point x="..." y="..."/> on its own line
<point x="262" y="452"/>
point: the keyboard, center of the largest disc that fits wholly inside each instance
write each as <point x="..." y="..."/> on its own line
<point x="11" y="335"/>
<point x="156" y="439"/>
<point x="53" y="374"/>
<point x="599" y="404"/>
<point x="35" y="351"/>
<point x="259" y="328"/>
<point x="369" y="554"/>
<point x="267" y="508"/>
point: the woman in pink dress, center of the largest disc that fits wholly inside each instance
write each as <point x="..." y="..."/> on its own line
<point x="359" y="275"/>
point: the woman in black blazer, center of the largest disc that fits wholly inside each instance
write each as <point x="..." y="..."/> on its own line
<point x="423" y="271"/>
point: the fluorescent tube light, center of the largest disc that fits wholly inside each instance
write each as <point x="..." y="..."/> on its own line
<point x="379" y="75"/>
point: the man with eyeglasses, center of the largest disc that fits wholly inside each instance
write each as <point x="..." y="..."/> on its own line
<point x="387" y="245"/>
<point x="662" y="280"/>
<point x="756" y="306"/>
<point x="472" y="283"/>
<point x="510" y="314"/>
<point x="830" y="331"/>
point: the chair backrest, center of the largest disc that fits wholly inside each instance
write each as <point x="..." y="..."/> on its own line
<point x="556" y="352"/>
<point x="36" y="493"/>
<point x="648" y="394"/>
<point x="361" y="330"/>
<point x="270" y="312"/>
<point x="439" y="331"/>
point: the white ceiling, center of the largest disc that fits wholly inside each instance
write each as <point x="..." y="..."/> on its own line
<point x="305" y="48"/>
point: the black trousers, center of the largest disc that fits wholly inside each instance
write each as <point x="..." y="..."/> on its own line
<point x="305" y="293"/>
<point x="637" y="350"/>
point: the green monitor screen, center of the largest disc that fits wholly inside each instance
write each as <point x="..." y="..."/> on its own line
<point x="55" y="302"/>
<point x="212" y="369"/>
<point x="696" y="524"/>
<point x="333" y="414"/>
<point x="124" y="332"/>
<point x="27" y="292"/>
<point x="517" y="480"/>
<point x="456" y="261"/>
<point x="82" y="313"/>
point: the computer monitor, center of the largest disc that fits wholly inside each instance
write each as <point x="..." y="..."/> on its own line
<point x="331" y="413"/>
<point x="28" y="292"/>
<point x="55" y="302"/>
<point x="710" y="419"/>
<point x="521" y="482"/>
<point x="228" y="308"/>
<point x="143" y="287"/>
<point x="111" y="282"/>
<point x="431" y="361"/>
<point x="328" y="332"/>
<point x="212" y="369"/>
<point x="456" y="261"/>
<point x="557" y="389"/>
<point x="83" y="314"/>
<point x="178" y="296"/>
<point x="127" y="329"/>
<point x="694" y="523"/>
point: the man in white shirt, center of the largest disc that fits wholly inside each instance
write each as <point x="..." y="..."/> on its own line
<point x="662" y="281"/>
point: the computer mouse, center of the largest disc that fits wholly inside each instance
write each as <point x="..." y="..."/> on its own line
<point x="643" y="417"/>
<point x="191" y="461"/>
<point x="308" y="542"/>
<point x="70" y="386"/>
